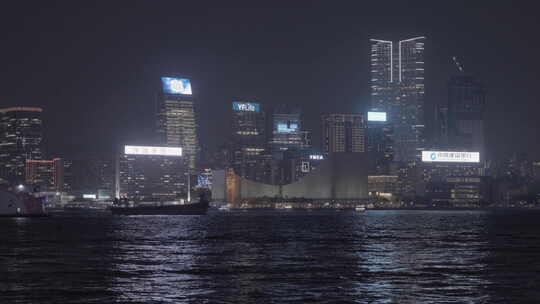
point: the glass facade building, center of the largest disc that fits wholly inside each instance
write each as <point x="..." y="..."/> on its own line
<point x="176" y="121"/>
<point x="465" y="114"/>
<point x="397" y="87"/>
<point x="343" y="133"/>
<point x="150" y="177"/>
<point x="20" y="140"/>
<point x="248" y="139"/>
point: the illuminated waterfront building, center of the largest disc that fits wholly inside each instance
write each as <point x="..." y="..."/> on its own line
<point x="379" y="142"/>
<point x="20" y="140"/>
<point x="151" y="173"/>
<point x="90" y="175"/>
<point x="248" y="139"/>
<point x="45" y="175"/>
<point x="176" y="119"/>
<point x="397" y="87"/>
<point x="343" y="133"/>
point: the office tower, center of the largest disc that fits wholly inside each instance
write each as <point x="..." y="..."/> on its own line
<point x="248" y="139"/>
<point x="151" y="173"/>
<point x="286" y="126"/>
<point x="343" y="133"/>
<point x="20" y="140"/>
<point x="176" y="121"/>
<point x="91" y="175"/>
<point x="379" y="142"/>
<point x="397" y="87"/>
<point x="45" y="175"/>
<point x="465" y="114"/>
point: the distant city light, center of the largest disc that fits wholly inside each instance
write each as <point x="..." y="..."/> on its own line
<point x="180" y="86"/>
<point x="451" y="156"/>
<point x="376" y="116"/>
<point x="246" y="107"/>
<point x="148" y="150"/>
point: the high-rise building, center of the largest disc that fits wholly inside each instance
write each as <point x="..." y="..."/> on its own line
<point x="379" y="142"/>
<point x="465" y="114"/>
<point x="286" y="126"/>
<point x="176" y="120"/>
<point x="47" y="175"/>
<point x="343" y="133"/>
<point x="151" y="173"/>
<point x="397" y="87"/>
<point x="20" y="140"/>
<point x="248" y="139"/>
<point x="90" y="175"/>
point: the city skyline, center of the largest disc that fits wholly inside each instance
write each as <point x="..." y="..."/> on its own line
<point x="297" y="73"/>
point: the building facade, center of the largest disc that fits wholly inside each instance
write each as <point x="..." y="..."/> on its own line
<point x="94" y="175"/>
<point x="286" y="128"/>
<point x="248" y="140"/>
<point x="397" y="87"/>
<point x="465" y="114"/>
<point x="20" y="140"/>
<point x="176" y="119"/>
<point x="379" y="142"/>
<point x="343" y="133"/>
<point x="151" y="173"/>
<point x="45" y="175"/>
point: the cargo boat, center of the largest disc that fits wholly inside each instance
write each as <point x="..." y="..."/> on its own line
<point x="199" y="208"/>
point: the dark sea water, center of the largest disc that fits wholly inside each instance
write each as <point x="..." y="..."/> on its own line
<point x="274" y="257"/>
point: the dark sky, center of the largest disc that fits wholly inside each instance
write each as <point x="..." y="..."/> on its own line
<point x="95" y="67"/>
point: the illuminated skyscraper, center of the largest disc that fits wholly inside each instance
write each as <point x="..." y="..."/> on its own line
<point x="20" y="140"/>
<point x="48" y="175"/>
<point x="176" y="119"/>
<point x="248" y="139"/>
<point x="397" y="87"/>
<point x="343" y="133"/>
<point x="151" y="173"/>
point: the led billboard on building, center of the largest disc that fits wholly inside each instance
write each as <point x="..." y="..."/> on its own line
<point x="147" y="150"/>
<point x="450" y="157"/>
<point x="376" y="116"/>
<point x="246" y="107"/>
<point x="177" y="86"/>
<point x="287" y="127"/>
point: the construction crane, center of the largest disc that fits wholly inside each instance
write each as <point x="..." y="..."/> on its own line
<point x="458" y="65"/>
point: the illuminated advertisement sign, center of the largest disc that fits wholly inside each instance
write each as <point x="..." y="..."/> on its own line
<point x="450" y="157"/>
<point x="246" y="106"/>
<point x="316" y="157"/>
<point x="287" y="128"/>
<point x="376" y="116"/>
<point x="147" y="150"/>
<point x="89" y="196"/>
<point x="177" y="86"/>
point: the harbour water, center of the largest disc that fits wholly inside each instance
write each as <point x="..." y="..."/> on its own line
<point x="274" y="257"/>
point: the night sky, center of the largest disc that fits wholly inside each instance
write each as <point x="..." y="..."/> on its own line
<point x="95" y="67"/>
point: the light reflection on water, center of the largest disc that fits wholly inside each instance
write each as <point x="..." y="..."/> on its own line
<point x="377" y="256"/>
